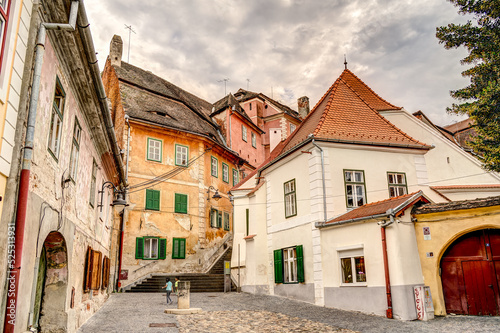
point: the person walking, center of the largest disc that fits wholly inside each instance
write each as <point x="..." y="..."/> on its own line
<point x="176" y="288"/>
<point x="168" y="286"/>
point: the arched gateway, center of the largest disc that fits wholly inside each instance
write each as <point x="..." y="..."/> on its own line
<point x="470" y="274"/>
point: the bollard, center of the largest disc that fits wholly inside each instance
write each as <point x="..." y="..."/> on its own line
<point x="183" y="295"/>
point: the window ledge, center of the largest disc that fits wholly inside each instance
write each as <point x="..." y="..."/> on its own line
<point x="361" y="284"/>
<point x="249" y="237"/>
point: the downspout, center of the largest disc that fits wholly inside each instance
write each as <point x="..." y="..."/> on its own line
<point x="383" y="225"/>
<point x="322" y="176"/>
<point x="230" y="114"/>
<point x="22" y="200"/>
<point x="122" y="217"/>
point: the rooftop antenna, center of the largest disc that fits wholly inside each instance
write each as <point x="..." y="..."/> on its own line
<point x="130" y="30"/>
<point x="225" y="83"/>
<point x="248" y="83"/>
<point x="345" y="61"/>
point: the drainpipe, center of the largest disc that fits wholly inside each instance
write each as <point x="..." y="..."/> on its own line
<point x="22" y="200"/>
<point x="383" y="225"/>
<point x="230" y="114"/>
<point x="322" y="176"/>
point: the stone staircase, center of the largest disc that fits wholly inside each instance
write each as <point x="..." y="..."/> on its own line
<point x="213" y="281"/>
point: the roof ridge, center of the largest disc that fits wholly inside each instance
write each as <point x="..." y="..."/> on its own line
<point x="382" y="117"/>
<point x="327" y="106"/>
<point x="367" y="86"/>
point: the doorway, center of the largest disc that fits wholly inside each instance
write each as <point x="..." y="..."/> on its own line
<point x="470" y="274"/>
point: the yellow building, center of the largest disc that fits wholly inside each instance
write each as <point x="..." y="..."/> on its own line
<point x="459" y="249"/>
<point x="178" y="166"/>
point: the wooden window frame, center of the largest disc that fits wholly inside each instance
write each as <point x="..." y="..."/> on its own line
<point x="140" y="248"/>
<point x="160" y="153"/>
<point x="354" y="184"/>
<point x="177" y="146"/>
<point x="152" y="192"/>
<point x="75" y="151"/>
<point x="397" y="186"/>
<point x="295" y="263"/>
<point x="225" y="173"/>
<point x="56" y="120"/>
<point x="226" y="221"/>
<point x="244" y="133"/>
<point x="177" y="208"/>
<point x="293" y="194"/>
<point x="254" y="140"/>
<point x="235" y="179"/>
<point x="214" y="169"/>
<point x="93" y="184"/>
<point x="352" y="255"/>
<point x="178" y="241"/>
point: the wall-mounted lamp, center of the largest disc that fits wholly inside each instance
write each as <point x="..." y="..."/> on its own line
<point x="216" y="195"/>
<point x="119" y="201"/>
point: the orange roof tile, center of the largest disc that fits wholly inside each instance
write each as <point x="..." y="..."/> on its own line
<point x="380" y="208"/>
<point x="348" y="113"/>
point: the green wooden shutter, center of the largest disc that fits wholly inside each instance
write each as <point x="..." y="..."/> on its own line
<point x="278" y="266"/>
<point x="300" y="264"/>
<point x="182" y="248"/>
<point x="152" y="199"/>
<point x="175" y="248"/>
<point x="181" y="203"/>
<point x="139" y="248"/>
<point x="248" y="222"/>
<point x="219" y="220"/>
<point x="162" y="249"/>
<point x="213" y="218"/>
<point x="226" y="221"/>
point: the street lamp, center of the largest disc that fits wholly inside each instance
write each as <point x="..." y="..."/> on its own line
<point x="119" y="201"/>
<point x="216" y="195"/>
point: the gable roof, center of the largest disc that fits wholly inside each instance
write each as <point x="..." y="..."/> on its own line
<point x="381" y="209"/>
<point x="348" y="113"/>
<point x="150" y="98"/>
<point x="228" y="102"/>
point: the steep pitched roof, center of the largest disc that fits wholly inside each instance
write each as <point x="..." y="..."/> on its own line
<point x="148" y="97"/>
<point x="243" y="95"/>
<point x="379" y="209"/>
<point x="348" y="113"/>
<point x="230" y="101"/>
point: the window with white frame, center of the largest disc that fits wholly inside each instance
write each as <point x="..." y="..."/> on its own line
<point x="397" y="184"/>
<point x="244" y="133"/>
<point x="254" y="140"/>
<point x="289" y="265"/>
<point x="290" y="199"/>
<point x="181" y="155"/>
<point x="56" y="120"/>
<point x="355" y="188"/>
<point x="150" y="247"/>
<point x="225" y="173"/>
<point x="214" y="169"/>
<point x="75" y="149"/>
<point x="154" y="150"/>
<point x="352" y="266"/>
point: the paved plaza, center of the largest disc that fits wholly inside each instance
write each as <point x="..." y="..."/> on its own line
<point x="233" y="312"/>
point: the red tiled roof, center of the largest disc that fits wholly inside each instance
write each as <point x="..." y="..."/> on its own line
<point x="380" y="207"/>
<point x="457" y="205"/>
<point x="348" y="113"/>
<point x="460" y="126"/>
<point x="458" y="187"/>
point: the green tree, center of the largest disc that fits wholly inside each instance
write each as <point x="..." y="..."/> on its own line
<point x="481" y="99"/>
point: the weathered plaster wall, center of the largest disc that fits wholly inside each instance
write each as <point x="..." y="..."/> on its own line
<point x="445" y="228"/>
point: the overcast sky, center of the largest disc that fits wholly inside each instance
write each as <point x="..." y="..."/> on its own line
<point x="290" y="48"/>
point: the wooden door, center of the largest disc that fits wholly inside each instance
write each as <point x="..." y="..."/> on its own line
<point x="470" y="274"/>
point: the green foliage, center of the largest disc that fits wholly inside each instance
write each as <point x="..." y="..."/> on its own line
<point x="481" y="99"/>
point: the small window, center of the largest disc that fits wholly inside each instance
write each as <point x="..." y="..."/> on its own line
<point x="154" y="150"/>
<point x="355" y="188"/>
<point x="250" y="106"/>
<point x="289" y="265"/>
<point x="290" y="199"/>
<point x="93" y="184"/>
<point x="292" y="128"/>
<point x="254" y="140"/>
<point x="397" y="184"/>
<point x="244" y="133"/>
<point x="225" y="173"/>
<point x="75" y="150"/>
<point x="152" y="199"/>
<point x="150" y="248"/>
<point x="235" y="177"/>
<point x="352" y="266"/>
<point x="247" y="229"/>
<point x="181" y="155"/>
<point x="226" y="221"/>
<point x="214" y="167"/>
<point x="215" y="218"/>
<point x="179" y="248"/>
<point x="56" y="120"/>
<point x="181" y="203"/>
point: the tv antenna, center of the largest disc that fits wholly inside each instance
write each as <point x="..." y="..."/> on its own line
<point x="130" y="30"/>
<point x="225" y="83"/>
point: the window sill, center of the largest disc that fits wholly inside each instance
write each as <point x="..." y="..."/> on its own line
<point x="360" y="284"/>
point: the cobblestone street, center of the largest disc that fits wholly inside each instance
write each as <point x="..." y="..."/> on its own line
<point x="233" y="312"/>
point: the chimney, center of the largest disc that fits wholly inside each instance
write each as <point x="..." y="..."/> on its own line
<point x="116" y="50"/>
<point x="303" y="104"/>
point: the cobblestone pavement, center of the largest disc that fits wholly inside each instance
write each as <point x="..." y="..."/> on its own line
<point x="233" y="312"/>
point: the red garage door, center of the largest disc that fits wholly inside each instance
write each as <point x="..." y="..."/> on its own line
<point x="470" y="273"/>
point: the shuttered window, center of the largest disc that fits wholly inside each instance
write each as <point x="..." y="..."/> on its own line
<point x="181" y="203"/>
<point x="150" y="248"/>
<point x="289" y="265"/>
<point x="214" y="216"/>
<point x="152" y="199"/>
<point x="179" y="248"/>
<point x="226" y="221"/>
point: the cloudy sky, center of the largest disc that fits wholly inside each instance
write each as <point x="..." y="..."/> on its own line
<point x="290" y="48"/>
